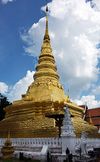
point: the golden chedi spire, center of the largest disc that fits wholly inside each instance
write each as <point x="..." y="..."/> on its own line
<point x="46" y="84"/>
<point x="46" y="65"/>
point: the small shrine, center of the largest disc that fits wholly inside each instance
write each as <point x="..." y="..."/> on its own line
<point x="7" y="150"/>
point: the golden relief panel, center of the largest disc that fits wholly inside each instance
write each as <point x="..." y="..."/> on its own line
<point x="39" y="122"/>
<point x="26" y="124"/>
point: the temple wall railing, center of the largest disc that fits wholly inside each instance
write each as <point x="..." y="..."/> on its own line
<point x="31" y="142"/>
<point x="51" y="142"/>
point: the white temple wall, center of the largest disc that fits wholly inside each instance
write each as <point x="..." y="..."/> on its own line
<point x="68" y="142"/>
<point x="50" y="142"/>
<point x="37" y="148"/>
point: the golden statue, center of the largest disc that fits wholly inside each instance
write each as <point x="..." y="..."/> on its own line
<point x="27" y="117"/>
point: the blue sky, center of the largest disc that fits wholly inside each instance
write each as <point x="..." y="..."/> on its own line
<point x="74" y="29"/>
<point x="15" y="17"/>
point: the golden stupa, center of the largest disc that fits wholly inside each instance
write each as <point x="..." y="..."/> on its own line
<point x="26" y="118"/>
<point x="7" y="150"/>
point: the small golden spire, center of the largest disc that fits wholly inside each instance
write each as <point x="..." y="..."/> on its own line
<point x="46" y="36"/>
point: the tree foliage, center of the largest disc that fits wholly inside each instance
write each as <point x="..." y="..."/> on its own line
<point x="3" y="103"/>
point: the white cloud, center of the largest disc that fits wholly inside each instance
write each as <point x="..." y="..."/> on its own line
<point x="15" y="91"/>
<point x="20" y="87"/>
<point x="90" y="101"/>
<point x="3" y="87"/>
<point x="74" y="29"/>
<point x="96" y="91"/>
<point x="6" y="1"/>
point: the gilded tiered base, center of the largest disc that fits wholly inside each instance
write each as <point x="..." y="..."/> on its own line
<point x="35" y="124"/>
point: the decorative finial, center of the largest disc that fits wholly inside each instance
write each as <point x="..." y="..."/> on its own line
<point x="46" y="36"/>
<point x="47" y="9"/>
<point x="46" y="5"/>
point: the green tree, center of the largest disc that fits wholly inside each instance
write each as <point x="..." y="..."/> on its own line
<point x="3" y="103"/>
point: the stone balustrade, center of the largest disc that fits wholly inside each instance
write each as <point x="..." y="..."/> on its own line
<point x="31" y="142"/>
<point x="50" y="142"/>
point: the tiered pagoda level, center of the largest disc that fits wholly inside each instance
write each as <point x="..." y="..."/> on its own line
<point x="26" y="117"/>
